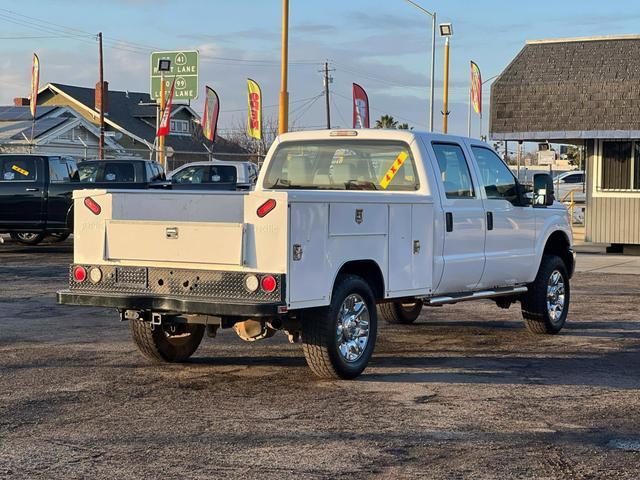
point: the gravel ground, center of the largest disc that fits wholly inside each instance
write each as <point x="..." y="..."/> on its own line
<point x="464" y="393"/>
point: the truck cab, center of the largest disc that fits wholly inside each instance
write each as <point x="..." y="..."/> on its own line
<point x="343" y="226"/>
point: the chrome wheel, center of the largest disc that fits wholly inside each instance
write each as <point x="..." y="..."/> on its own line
<point x="28" y="237"/>
<point x="352" y="332"/>
<point x="555" y="296"/>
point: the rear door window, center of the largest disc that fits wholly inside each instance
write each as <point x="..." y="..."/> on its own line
<point x="58" y="171"/>
<point x="18" y="169"/>
<point x="454" y="170"/>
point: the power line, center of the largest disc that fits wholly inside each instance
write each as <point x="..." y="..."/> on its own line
<point x="383" y="112"/>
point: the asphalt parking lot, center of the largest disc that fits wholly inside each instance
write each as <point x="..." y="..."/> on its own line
<point x="464" y="393"/>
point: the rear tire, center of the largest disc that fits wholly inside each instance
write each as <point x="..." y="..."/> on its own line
<point x="400" y="312"/>
<point x="27" y="238"/>
<point x="546" y="305"/>
<point x="159" y="344"/>
<point x="338" y="340"/>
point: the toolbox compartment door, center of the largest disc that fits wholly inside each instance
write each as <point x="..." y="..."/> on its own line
<point x="185" y="242"/>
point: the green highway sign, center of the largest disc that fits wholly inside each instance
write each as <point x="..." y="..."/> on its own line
<point x="184" y="68"/>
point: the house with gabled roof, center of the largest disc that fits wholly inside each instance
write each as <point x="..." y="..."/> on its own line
<point x="56" y="130"/>
<point x="582" y="91"/>
<point x="130" y="121"/>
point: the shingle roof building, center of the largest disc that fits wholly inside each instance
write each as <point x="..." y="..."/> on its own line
<point x="569" y="89"/>
<point x="584" y="91"/>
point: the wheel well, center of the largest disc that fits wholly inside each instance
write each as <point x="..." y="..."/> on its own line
<point x="369" y="271"/>
<point x="558" y="244"/>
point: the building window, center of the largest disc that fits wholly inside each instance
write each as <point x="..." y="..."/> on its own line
<point x="180" y="126"/>
<point x="618" y="165"/>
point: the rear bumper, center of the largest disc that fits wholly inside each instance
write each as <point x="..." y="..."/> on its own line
<point x="169" y="304"/>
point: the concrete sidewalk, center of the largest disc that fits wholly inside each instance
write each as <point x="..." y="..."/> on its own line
<point x="620" y="264"/>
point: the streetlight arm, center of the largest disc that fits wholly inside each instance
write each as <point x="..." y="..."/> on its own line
<point x="424" y="10"/>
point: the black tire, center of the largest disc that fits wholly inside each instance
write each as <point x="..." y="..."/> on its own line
<point x="535" y="311"/>
<point x="159" y="344"/>
<point x="400" y="312"/>
<point x="59" y="237"/>
<point x="27" y="238"/>
<point x="319" y="332"/>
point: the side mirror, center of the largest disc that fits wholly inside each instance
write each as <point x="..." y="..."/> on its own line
<point x="542" y="190"/>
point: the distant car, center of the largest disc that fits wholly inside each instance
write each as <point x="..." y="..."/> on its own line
<point x="121" y="173"/>
<point x="214" y="175"/>
<point x="566" y="182"/>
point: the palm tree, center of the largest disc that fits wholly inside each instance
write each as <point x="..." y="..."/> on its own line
<point x="386" y="121"/>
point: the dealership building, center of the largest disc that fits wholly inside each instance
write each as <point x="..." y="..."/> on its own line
<point x="586" y="92"/>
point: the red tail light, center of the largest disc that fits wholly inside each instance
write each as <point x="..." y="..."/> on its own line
<point x="266" y="207"/>
<point x="79" y="274"/>
<point x="92" y="205"/>
<point x="268" y="283"/>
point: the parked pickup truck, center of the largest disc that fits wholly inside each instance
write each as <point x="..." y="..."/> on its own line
<point x="35" y="190"/>
<point x="343" y="227"/>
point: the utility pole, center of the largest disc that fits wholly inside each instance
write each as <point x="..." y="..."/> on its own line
<point x="327" y="81"/>
<point x="283" y="123"/>
<point x="101" y="144"/>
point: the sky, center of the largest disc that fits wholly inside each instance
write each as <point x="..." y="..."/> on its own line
<point x="384" y="45"/>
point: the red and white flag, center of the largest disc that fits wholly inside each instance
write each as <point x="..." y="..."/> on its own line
<point x="211" y="112"/>
<point x="360" y="107"/>
<point x="165" y="121"/>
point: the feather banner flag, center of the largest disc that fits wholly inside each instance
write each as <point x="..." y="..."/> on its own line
<point x="165" y="122"/>
<point x="360" y="107"/>
<point x="211" y="113"/>
<point x="35" y="79"/>
<point x="254" y="120"/>
<point x="476" y="88"/>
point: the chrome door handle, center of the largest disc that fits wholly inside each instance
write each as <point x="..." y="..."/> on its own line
<point x="32" y="189"/>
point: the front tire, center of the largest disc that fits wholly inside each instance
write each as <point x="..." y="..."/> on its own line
<point x="338" y="340"/>
<point x="164" y="344"/>
<point x="400" y="312"/>
<point x="546" y="305"/>
<point x="27" y="238"/>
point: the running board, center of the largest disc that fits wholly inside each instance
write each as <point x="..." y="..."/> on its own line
<point x="463" y="297"/>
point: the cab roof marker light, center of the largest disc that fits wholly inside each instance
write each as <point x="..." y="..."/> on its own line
<point x="343" y="133"/>
<point x="92" y="205"/>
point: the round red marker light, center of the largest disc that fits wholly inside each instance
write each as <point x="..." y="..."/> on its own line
<point x="79" y="274"/>
<point x="268" y="283"/>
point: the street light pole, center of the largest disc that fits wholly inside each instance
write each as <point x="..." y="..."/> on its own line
<point x="283" y="124"/>
<point x="433" y="59"/>
<point x="445" y="89"/>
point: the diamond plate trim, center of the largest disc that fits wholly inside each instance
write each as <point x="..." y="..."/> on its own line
<point x="203" y="284"/>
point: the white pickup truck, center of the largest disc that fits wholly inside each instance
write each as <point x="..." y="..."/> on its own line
<point x="344" y="226"/>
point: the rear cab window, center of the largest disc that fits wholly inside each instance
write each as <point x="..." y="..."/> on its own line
<point x="19" y="168"/>
<point x="342" y="165"/>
